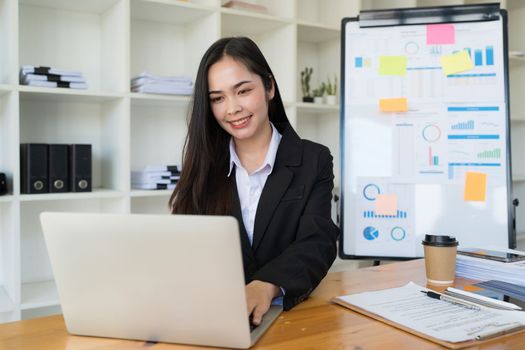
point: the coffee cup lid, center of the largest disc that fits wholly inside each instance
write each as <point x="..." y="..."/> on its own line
<point x="440" y="241"/>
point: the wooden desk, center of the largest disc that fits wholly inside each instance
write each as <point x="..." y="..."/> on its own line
<point x="315" y="324"/>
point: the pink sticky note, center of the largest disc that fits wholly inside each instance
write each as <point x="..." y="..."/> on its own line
<point x="386" y="204"/>
<point x="441" y="34"/>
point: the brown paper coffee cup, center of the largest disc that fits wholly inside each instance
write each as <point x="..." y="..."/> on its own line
<point x="440" y="259"/>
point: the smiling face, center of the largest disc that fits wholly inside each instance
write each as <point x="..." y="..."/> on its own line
<point x="238" y="99"/>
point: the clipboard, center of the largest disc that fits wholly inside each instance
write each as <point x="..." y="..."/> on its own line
<point x="450" y="345"/>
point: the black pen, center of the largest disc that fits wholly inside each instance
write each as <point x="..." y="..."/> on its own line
<point x="452" y="300"/>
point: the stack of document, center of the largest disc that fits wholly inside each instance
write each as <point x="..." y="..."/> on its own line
<point x="484" y="270"/>
<point x="51" y="77"/>
<point x="155" y="177"/>
<point x="504" y="288"/>
<point x="245" y="5"/>
<point x="149" y="83"/>
<point x="442" y="320"/>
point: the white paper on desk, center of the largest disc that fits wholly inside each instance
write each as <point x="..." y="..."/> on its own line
<point x="409" y="307"/>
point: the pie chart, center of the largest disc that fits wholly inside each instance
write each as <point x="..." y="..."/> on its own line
<point x="370" y="192"/>
<point x="370" y="233"/>
<point x="398" y="233"/>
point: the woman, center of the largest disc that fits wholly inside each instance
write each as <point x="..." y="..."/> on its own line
<point x="243" y="158"/>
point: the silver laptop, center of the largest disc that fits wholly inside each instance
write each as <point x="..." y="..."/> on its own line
<point x="166" y="278"/>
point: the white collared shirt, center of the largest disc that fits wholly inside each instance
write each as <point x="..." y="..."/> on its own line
<point x="250" y="186"/>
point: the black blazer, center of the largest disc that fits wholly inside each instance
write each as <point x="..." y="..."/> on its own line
<point x="294" y="237"/>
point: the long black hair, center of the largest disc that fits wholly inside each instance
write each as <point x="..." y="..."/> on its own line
<point x="204" y="187"/>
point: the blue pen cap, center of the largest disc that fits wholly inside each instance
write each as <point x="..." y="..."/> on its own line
<point x="440" y="241"/>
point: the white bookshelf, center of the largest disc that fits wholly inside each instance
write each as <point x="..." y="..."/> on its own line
<point x="111" y="41"/>
<point x="39" y="294"/>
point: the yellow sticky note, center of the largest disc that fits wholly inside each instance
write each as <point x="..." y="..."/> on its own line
<point x="393" y="65"/>
<point x="456" y="63"/>
<point x="393" y="104"/>
<point x="386" y="204"/>
<point x="475" y="186"/>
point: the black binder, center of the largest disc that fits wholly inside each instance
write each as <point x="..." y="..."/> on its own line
<point x="80" y="168"/>
<point x="58" y="168"/>
<point x="3" y="184"/>
<point x="34" y="170"/>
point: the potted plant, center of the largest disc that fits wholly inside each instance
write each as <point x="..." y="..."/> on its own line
<point x="306" y="75"/>
<point x="318" y="93"/>
<point x="331" y="91"/>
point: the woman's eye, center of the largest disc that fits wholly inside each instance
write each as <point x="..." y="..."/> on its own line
<point x="216" y="99"/>
<point x="244" y="91"/>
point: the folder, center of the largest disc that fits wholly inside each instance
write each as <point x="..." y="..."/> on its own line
<point x="33" y="168"/>
<point x="80" y="168"/>
<point x="58" y="165"/>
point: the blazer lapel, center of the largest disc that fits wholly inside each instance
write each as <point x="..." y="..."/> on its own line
<point x="289" y="154"/>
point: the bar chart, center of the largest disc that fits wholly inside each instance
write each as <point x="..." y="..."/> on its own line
<point x="477" y="57"/>
<point x="468" y="125"/>
<point x="371" y="214"/>
<point x="494" y="154"/>
<point x="432" y="159"/>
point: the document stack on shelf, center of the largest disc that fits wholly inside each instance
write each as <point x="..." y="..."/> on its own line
<point x="155" y="177"/>
<point x="485" y="268"/>
<point x="245" y="5"/>
<point x="152" y="84"/>
<point x="51" y="77"/>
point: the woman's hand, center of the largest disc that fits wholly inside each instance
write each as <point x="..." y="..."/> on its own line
<point x="259" y="297"/>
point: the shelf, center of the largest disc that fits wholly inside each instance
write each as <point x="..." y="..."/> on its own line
<point x="6" y="304"/>
<point x="174" y="12"/>
<point x="39" y="294"/>
<point x="304" y="107"/>
<point x="65" y="95"/>
<point x="92" y="6"/>
<point x="518" y="178"/>
<point x="517" y="58"/>
<point x="6" y="198"/>
<point x="248" y="23"/>
<point x="96" y="194"/>
<point x="4" y="89"/>
<point x="316" y="33"/>
<point x="151" y="193"/>
<point x="148" y="100"/>
<point x="515" y="4"/>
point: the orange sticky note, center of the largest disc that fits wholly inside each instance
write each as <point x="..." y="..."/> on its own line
<point x="393" y="104"/>
<point x="471" y="288"/>
<point x="475" y="186"/>
<point x="456" y="63"/>
<point x="386" y="204"/>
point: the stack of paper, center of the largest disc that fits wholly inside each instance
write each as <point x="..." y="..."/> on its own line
<point x="149" y="83"/>
<point x="155" y="177"/>
<point x="441" y="321"/>
<point x="504" y="288"/>
<point x="52" y="77"/>
<point x="245" y="5"/>
<point x="484" y="269"/>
